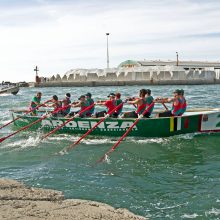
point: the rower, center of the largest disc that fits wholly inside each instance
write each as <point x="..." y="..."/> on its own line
<point x="118" y="101"/>
<point x="149" y="99"/>
<point x="110" y="104"/>
<point x="176" y="107"/>
<point x="66" y="103"/>
<point x="35" y="102"/>
<point x="82" y="104"/>
<point x="89" y="102"/>
<point x="144" y="100"/>
<point x="56" y="104"/>
<point x="184" y="104"/>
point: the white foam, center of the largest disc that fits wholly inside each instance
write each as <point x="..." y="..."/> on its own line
<point x="24" y="143"/>
<point x="190" y="216"/>
<point x="213" y="211"/>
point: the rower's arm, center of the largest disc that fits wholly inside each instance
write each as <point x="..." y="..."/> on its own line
<point x="100" y="102"/>
<point x="134" y="102"/>
<point x="75" y="105"/>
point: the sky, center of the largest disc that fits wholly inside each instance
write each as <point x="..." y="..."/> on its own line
<point x="59" y="35"/>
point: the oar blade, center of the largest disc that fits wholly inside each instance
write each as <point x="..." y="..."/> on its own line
<point x="2" y="139"/>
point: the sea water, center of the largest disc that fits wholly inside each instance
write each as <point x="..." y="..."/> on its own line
<point x="160" y="178"/>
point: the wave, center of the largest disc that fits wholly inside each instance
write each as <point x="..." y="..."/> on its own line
<point x="31" y="141"/>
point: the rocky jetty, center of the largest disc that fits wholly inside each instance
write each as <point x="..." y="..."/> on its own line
<point x="18" y="201"/>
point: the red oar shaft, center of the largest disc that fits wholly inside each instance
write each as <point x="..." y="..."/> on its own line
<point x="89" y="131"/>
<point x="23" y="115"/>
<point x="29" y="125"/>
<point x="125" y="134"/>
<point x="62" y="125"/>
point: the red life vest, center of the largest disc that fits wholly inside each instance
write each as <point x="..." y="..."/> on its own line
<point x="142" y="107"/>
<point x="111" y="105"/>
<point x="177" y="109"/>
<point x="57" y="105"/>
<point x="184" y="105"/>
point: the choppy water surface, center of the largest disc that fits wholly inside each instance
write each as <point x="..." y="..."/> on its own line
<point x="160" y="178"/>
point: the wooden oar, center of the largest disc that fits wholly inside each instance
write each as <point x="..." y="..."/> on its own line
<point x="124" y="135"/>
<point x="62" y="125"/>
<point x="35" y="122"/>
<point x="65" y="150"/>
<point x="24" y="114"/>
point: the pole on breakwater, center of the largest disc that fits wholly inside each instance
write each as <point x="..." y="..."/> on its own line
<point x="107" y="34"/>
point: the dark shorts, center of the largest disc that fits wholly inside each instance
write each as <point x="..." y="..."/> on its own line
<point x="100" y="114"/>
<point x="132" y="114"/>
<point x="165" y="114"/>
<point x="71" y="114"/>
<point x="147" y="115"/>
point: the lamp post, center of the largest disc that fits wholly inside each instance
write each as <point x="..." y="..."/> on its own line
<point x="177" y="59"/>
<point x="107" y="34"/>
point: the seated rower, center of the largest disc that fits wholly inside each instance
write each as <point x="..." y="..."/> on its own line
<point x="145" y="99"/>
<point x="110" y="104"/>
<point x="82" y="104"/>
<point x="66" y="103"/>
<point x="89" y="101"/>
<point x="176" y="107"/>
<point x="118" y="101"/>
<point x="56" y="104"/>
<point x="34" y="103"/>
<point x="184" y="104"/>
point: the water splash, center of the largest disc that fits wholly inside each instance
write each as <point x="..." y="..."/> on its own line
<point x="107" y="159"/>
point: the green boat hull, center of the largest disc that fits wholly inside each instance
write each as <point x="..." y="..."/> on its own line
<point x="154" y="127"/>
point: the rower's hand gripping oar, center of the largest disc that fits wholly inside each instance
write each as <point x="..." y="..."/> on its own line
<point x="124" y="135"/>
<point x="25" y="114"/>
<point x="35" y="122"/>
<point x="65" y="150"/>
<point x="62" y="125"/>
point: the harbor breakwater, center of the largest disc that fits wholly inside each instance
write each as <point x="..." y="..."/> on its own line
<point x="144" y="75"/>
<point x="127" y="83"/>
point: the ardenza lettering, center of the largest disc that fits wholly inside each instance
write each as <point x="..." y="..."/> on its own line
<point x="109" y="125"/>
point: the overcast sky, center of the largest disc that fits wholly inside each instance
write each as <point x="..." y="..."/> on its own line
<point x="58" y="35"/>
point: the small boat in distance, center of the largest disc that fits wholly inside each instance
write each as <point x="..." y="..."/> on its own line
<point x="8" y="87"/>
<point x="193" y="121"/>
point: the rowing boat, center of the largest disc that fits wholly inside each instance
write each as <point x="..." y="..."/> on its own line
<point x="191" y="122"/>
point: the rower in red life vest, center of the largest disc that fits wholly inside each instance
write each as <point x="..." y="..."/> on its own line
<point x="66" y="103"/>
<point x="143" y="102"/>
<point x="56" y="104"/>
<point x="110" y="104"/>
<point x="176" y="107"/>
<point x="34" y="103"/>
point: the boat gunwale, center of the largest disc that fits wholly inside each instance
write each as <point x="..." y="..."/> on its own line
<point x="205" y="111"/>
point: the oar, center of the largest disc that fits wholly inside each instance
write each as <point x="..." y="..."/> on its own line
<point x="89" y="131"/>
<point x="29" y="125"/>
<point x="24" y="114"/>
<point x="62" y="125"/>
<point x="165" y="106"/>
<point x="125" y="134"/>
